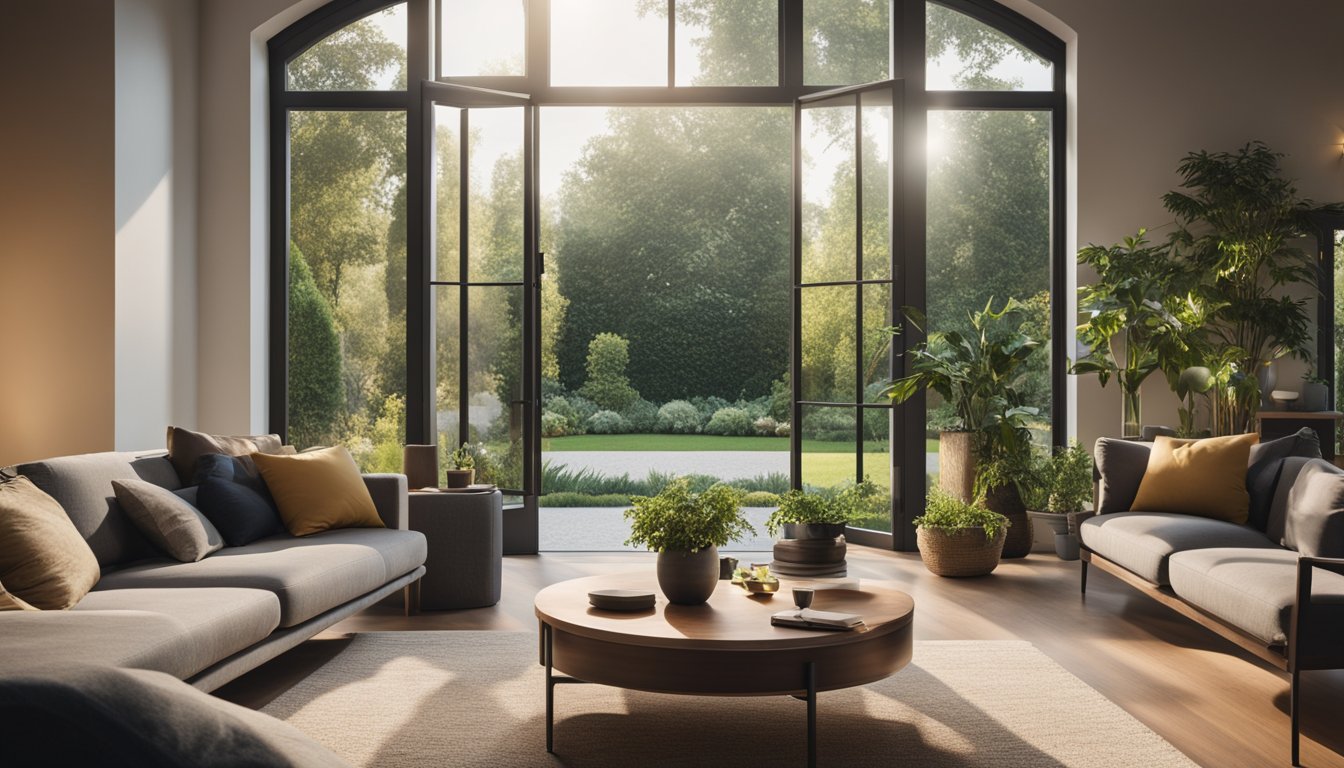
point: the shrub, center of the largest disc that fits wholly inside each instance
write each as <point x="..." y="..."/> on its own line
<point x="679" y="520"/>
<point x="756" y="409"/>
<point x="729" y="421"/>
<point x="606" y="423"/>
<point x="950" y="514"/>
<point x="783" y="429"/>
<point x="829" y="425"/>
<point x="316" y="395"/>
<point x="708" y="406"/>
<point x="760" y="499"/>
<point x="641" y="416"/>
<point x="553" y="424"/>
<point x="764" y="426"/>
<point x="551" y="388"/>
<point x="571" y="499"/>
<point x="607" y="384"/>
<point x="781" y="399"/>
<point x="679" y="417"/>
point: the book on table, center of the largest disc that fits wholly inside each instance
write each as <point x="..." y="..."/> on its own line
<point x="806" y="618"/>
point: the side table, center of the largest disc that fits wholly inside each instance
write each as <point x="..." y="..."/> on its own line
<point x="465" y="537"/>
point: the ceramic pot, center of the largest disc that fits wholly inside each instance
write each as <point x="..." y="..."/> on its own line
<point x="1006" y="500"/>
<point x="1315" y="396"/>
<point x="1268" y="378"/>
<point x="813" y="530"/>
<point x="458" y="478"/>
<point x="688" y="578"/>
<point x="1066" y="546"/>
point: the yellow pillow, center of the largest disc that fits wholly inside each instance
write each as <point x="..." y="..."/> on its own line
<point x="44" y="562"/>
<point x="9" y="602"/>
<point x="318" y="491"/>
<point x="1198" y="477"/>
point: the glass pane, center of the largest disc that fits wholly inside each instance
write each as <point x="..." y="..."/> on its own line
<point x="727" y="42"/>
<point x="366" y="55"/>
<point x="846" y="42"/>
<point x="347" y="343"/>
<point x="877" y="180"/>
<point x="877" y="318"/>
<point x="989" y="234"/>
<point x="495" y="210"/>
<point x="877" y="469"/>
<point x="830" y="230"/>
<point x="829" y="445"/>
<point x="483" y="37"/>
<point x="1338" y="311"/>
<point x="608" y="42"/>
<point x="494" y="379"/>
<point x="967" y="55"/>
<point x="447" y="367"/>
<point x="447" y="193"/>
<point x="828" y="343"/>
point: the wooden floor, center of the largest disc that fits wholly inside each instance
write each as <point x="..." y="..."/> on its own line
<point x="1212" y="701"/>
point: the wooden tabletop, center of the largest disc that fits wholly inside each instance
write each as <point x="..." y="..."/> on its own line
<point x="731" y="619"/>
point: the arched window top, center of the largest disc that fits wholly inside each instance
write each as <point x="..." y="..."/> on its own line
<point x="965" y="54"/>
<point x="365" y="55"/>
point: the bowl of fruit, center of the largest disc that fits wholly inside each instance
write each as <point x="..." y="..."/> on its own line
<point x="756" y="580"/>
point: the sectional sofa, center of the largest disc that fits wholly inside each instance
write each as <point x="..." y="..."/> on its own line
<point x="210" y="621"/>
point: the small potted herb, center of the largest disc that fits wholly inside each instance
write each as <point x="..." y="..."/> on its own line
<point x="1062" y="489"/>
<point x="686" y="529"/>
<point x="959" y="539"/>
<point x="804" y="515"/>
<point x="463" y="472"/>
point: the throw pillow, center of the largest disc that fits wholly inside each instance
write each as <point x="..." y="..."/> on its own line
<point x="9" y="602"/>
<point x="43" y="560"/>
<point x="236" y="469"/>
<point x="1121" y="464"/>
<point x="318" y="490"/>
<point x="1314" y="524"/>
<point x="1198" y="477"/>
<point x="172" y="524"/>
<point x="239" y="513"/>
<point x="186" y="447"/>
<point x="1266" y="461"/>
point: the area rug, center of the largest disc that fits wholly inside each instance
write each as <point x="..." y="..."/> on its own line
<point x="465" y="698"/>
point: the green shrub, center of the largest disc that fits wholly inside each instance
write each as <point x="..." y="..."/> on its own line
<point x="570" y="499"/>
<point x="764" y="427"/>
<point x="641" y="417"/>
<point x="729" y="421"/>
<point x="553" y="424"/>
<point x="781" y="399"/>
<point x="316" y="397"/>
<point x="708" y="406"/>
<point x="760" y="499"/>
<point x="679" y="418"/>
<point x="607" y="383"/>
<point x="783" y="429"/>
<point x="802" y="507"/>
<point x="606" y="423"/>
<point x="950" y="514"/>
<point x="829" y="424"/>
<point x="679" y="520"/>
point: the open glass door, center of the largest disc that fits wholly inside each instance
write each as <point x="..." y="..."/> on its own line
<point x="847" y="153"/>
<point x="484" y="301"/>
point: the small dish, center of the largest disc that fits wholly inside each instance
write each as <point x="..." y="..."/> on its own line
<point x="758" y="587"/>
<point x="621" y="599"/>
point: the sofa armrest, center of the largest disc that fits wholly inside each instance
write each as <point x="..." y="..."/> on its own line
<point x="389" y="494"/>
<point x="1315" y="640"/>
<point x="1120" y="465"/>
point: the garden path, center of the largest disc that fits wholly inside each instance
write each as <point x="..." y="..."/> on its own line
<point x="726" y="465"/>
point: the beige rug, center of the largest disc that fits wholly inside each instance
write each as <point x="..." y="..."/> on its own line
<point x="477" y="699"/>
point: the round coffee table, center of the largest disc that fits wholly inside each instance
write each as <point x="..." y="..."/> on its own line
<point x="726" y="647"/>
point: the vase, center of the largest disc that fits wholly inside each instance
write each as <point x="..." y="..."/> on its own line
<point x="458" y="478"/>
<point x="688" y="578"/>
<point x="1315" y="396"/>
<point x="956" y="464"/>
<point x="1268" y="376"/>
<point x="1007" y="501"/>
<point x="1131" y="425"/>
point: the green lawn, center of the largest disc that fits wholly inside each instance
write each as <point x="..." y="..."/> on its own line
<point x="698" y="443"/>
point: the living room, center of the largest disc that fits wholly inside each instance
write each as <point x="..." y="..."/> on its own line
<point x="630" y="261"/>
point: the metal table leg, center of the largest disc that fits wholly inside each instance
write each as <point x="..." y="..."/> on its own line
<point x="550" y="688"/>
<point x="811" y="714"/>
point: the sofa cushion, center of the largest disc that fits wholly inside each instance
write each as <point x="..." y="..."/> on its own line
<point x="83" y="714"/>
<point x="1265" y="462"/>
<point x="318" y="490"/>
<point x="1198" y="477"/>
<point x="177" y="631"/>
<point x="43" y="559"/>
<point x="1254" y="589"/>
<point x="82" y="485"/>
<point x="176" y="527"/>
<point x="310" y="576"/>
<point x="186" y="447"/>
<point x="1120" y="464"/>
<point x="1314" y="514"/>
<point x="1143" y="541"/>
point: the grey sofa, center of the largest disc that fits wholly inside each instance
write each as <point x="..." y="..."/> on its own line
<point x="1260" y="585"/>
<point x="210" y="621"/>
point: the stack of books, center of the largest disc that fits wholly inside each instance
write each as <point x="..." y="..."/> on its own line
<point x="806" y="618"/>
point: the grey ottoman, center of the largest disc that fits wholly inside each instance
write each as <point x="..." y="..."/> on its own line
<point x="465" y="534"/>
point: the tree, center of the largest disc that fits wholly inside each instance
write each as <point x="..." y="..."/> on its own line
<point x="607" y="384"/>
<point x="316" y="398"/>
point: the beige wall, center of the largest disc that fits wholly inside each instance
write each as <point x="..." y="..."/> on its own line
<point x="57" y="260"/>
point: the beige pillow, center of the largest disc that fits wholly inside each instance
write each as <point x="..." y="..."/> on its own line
<point x="185" y="447"/>
<point x="167" y="520"/>
<point x="1198" y="477"/>
<point x="318" y="491"/>
<point x="44" y="562"/>
<point x="9" y="602"/>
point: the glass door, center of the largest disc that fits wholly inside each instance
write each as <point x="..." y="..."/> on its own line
<point x="845" y="432"/>
<point x="484" y="299"/>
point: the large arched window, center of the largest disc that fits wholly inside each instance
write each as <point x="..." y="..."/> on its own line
<point x="745" y="192"/>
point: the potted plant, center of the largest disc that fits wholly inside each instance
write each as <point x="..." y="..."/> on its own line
<point x="463" y="472"/>
<point x="978" y="374"/>
<point x="686" y="529"/>
<point x="1004" y="468"/>
<point x="959" y="539"/>
<point x="1062" y="488"/>
<point x="804" y="515"/>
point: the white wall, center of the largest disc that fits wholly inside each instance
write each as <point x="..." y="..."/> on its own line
<point x="156" y="149"/>
<point x="1152" y="80"/>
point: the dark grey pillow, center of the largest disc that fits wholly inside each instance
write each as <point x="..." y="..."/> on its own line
<point x="1265" y="464"/>
<point x="1314" y="524"/>
<point x="81" y="714"/>
<point x="1120" y="464"/>
<point x="240" y="513"/>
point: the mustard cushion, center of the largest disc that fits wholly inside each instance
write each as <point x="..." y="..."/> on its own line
<point x="1198" y="477"/>
<point x="44" y="562"/>
<point x="318" y="491"/>
<point x="9" y="602"/>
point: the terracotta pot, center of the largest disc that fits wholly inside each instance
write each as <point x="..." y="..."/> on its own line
<point x="956" y="464"/>
<point x="966" y="552"/>
<point x="458" y="478"/>
<point x="688" y="578"/>
<point x="1005" y="500"/>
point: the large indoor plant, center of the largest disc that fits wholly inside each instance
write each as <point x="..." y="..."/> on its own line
<point x="1061" y="488"/>
<point x="686" y="529"/>
<point x="959" y="539"/>
<point x="1003" y="470"/>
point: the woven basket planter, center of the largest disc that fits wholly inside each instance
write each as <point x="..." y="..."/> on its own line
<point x="960" y="553"/>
